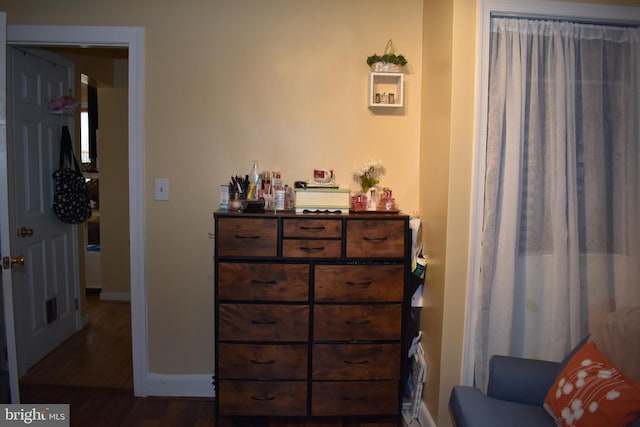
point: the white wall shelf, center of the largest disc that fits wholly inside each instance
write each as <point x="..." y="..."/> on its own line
<point x="386" y="90"/>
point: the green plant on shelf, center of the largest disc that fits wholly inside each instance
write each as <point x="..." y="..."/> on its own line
<point x="388" y="58"/>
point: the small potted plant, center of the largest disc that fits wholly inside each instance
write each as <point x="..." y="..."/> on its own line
<point x="389" y="62"/>
<point x="367" y="176"/>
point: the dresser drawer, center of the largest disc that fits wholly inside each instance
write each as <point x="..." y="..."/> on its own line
<point x="312" y="228"/>
<point x="262" y="398"/>
<point x="304" y="248"/>
<point x="356" y="362"/>
<point x="263" y="282"/>
<point x="357" y="322"/>
<point x="359" y="283"/>
<point x="262" y="361"/>
<point x="375" y="238"/>
<point x="251" y="237"/>
<point x="263" y="322"/>
<point x="338" y="398"/>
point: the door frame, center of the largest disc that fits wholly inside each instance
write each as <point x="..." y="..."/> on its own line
<point x="133" y="39"/>
<point x="5" y="249"/>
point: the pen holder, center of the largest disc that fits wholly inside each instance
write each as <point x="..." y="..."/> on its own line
<point x="237" y="201"/>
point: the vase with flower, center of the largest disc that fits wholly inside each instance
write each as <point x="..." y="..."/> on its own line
<point x="367" y="176"/>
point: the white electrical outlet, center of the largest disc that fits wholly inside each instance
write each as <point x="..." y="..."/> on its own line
<point x="162" y="189"/>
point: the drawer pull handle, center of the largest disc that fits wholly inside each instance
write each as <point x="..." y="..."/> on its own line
<point x="309" y="250"/>
<point x="375" y="239"/>
<point x="263" y="282"/>
<point x="358" y="322"/>
<point x="264" y="322"/>
<point x="239" y="236"/>
<point x="354" y="399"/>
<point x="267" y="362"/>
<point x="307" y="228"/>
<point x="360" y="284"/>
<point x="262" y="398"/>
<point x="359" y="362"/>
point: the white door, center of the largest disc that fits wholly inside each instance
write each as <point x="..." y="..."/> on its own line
<point x="46" y="286"/>
<point x="5" y="243"/>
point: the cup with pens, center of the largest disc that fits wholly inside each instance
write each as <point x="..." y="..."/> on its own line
<point x="245" y="195"/>
<point x="238" y="188"/>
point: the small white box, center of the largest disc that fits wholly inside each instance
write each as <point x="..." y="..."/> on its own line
<point x="224" y="196"/>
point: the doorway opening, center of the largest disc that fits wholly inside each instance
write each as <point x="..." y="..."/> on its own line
<point x="132" y="39"/>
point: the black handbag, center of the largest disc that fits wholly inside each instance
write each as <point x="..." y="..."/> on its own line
<point x="71" y="202"/>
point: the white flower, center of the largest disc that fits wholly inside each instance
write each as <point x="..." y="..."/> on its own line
<point x="578" y="413"/>
<point x="368" y="174"/>
<point x="579" y="382"/>
<point x="567" y="388"/>
<point x="576" y="404"/>
<point x="368" y="166"/>
<point x="605" y="373"/>
<point x="613" y="394"/>
<point x="586" y="362"/>
<point x="567" y="415"/>
<point x="593" y="407"/>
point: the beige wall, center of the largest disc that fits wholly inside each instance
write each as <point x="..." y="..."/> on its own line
<point x="459" y="196"/>
<point x="434" y="177"/>
<point x="229" y="81"/>
<point x="114" y="181"/>
<point x="285" y="82"/>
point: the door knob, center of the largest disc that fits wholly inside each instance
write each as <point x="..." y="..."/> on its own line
<point x="25" y="232"/>
<point x="8" y="261"/>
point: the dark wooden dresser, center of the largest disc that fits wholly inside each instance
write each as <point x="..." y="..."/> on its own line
<point x="310" y="314"/>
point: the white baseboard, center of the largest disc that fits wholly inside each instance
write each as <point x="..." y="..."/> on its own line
<point x="424" y="417"/>
<point x="115" y="296"/>
<point x="179" y="385"/>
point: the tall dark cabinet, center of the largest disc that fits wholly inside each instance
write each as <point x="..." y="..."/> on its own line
<point x="311" y="314"/>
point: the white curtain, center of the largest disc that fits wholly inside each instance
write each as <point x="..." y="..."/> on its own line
<point x="560" y="234"/>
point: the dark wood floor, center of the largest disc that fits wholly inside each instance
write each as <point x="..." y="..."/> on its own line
<point x="102" y="407"/>
<point x="95" y="407"/>
<point x="92" y="372"/>
<point x="97" y="356"/>
<point x="98" y="407"/>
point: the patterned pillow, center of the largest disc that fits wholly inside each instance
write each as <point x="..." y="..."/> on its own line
<point x="591" y="392"/>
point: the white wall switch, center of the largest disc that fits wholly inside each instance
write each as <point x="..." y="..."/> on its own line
<point x="162" y="189"/>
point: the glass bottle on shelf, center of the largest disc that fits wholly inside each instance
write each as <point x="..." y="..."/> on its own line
<point x="254" y="181"/>
<point x="289" y="197"/>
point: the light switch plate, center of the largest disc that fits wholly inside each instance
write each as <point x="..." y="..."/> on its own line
<point x="162" y="189"/>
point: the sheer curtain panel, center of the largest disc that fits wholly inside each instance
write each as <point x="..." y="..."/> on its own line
<point x="560" y="236"/>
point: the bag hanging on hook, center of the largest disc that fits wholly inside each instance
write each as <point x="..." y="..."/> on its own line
<point x="71" y="201"/>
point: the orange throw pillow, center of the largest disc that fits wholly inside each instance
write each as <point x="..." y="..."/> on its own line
<point x="591" y="392"/>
